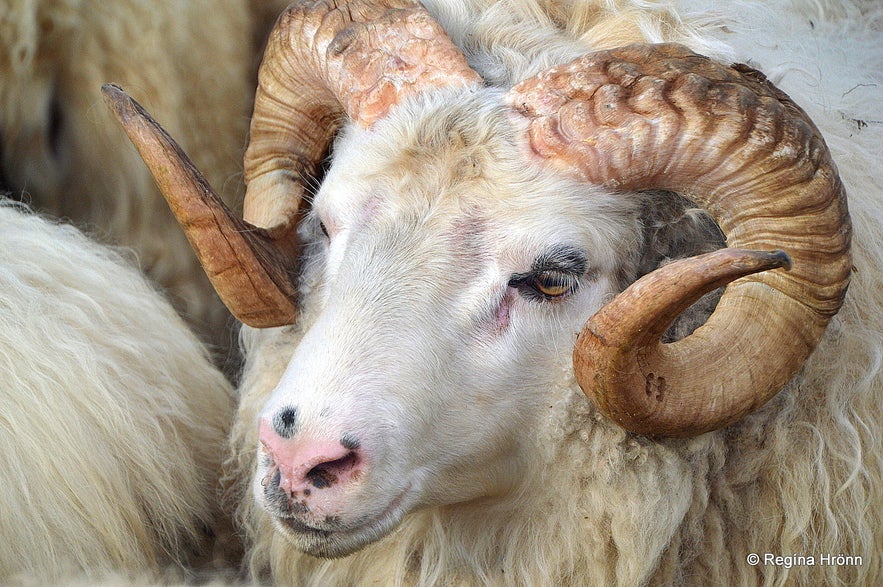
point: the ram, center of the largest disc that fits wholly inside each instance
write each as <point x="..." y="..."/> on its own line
<point x="464" y="368"/>
<point x="113" y="420"/>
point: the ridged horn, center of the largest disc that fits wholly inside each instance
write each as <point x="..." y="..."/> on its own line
<point x="252" y="273"/>
<point x="323" y="60"/>
<point x="662" y="117"/>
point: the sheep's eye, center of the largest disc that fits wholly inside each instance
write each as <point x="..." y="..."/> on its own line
<point x="544" y="285"/>
<point x="323" y="228"/>
<point x="553" y="284"/>
<point x="554" y="274"/>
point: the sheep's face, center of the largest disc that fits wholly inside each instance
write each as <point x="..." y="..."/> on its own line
<point x="445" y="284"/>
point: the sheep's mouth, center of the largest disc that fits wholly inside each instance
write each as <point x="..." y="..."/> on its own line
<point x="298" y="527"/>
<point x="337" y="540"/>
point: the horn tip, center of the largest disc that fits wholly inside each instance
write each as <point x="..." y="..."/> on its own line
<point x="113" y="92"/>
<point x="118" y="100"/>
<point x="779" y="259"/>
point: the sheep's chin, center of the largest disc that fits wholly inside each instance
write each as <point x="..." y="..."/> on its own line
<point x="344" y="541"/>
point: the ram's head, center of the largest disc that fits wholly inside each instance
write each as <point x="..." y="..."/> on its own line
<point x="465" y="234"/>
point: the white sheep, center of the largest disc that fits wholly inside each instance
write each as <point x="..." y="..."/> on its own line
<point x="113" y="419"/>
<point x="425" y="420"/>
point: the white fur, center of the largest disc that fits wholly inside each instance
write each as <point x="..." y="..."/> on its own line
<point x="112" y="417"/>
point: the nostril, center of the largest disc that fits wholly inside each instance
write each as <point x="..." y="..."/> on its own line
<point x="328" y="473"/>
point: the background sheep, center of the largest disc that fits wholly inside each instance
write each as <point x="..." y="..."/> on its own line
<point x="191" y="60"/>
<point x="554" y="492"/>
<point x="112" y="417"/>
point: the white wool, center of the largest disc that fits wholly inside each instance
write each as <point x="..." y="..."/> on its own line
<point x="112" y="417"/>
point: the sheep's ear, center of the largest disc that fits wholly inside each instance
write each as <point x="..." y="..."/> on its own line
<point x="647" y="117"/>
<point x="252" y="270"/>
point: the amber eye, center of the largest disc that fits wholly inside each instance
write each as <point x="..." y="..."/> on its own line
<point x="554" y="275"/>
<point x="553" y="284"/>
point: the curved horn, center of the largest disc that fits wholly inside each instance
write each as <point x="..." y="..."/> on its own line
<point x="662" y="117"/>
<point x="324" y="59"/>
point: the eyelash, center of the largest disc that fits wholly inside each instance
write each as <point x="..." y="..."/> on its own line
<point x="547" y="285"/>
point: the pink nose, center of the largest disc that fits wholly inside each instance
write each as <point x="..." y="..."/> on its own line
<point x="305" y="465"/>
